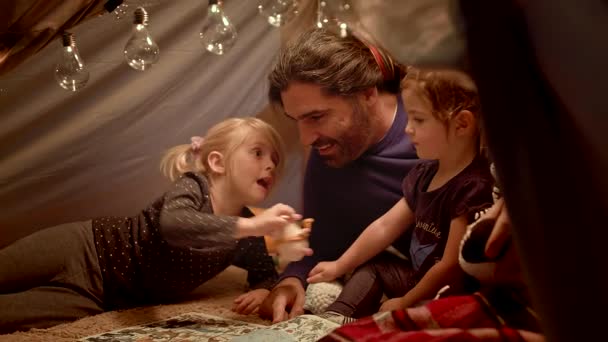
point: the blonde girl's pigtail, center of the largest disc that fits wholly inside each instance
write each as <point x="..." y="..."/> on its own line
<point x="195" y="162"/>
<point x="182" y="158"/>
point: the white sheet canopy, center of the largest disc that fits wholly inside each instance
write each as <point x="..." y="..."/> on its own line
<point x="70" y="156"/>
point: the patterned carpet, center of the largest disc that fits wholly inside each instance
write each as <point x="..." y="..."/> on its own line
<point x="213" y="298"/>
<point x="202" y="327"/>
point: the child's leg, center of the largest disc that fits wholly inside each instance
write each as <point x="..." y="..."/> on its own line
<point x="361" y="294"/>
<point x="44" y="307"/>
<point x="44" y="256"/>
<point x="50" y="276"/>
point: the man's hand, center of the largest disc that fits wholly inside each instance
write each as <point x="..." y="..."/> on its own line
<point x="325" y="271"/>
<point x="285" y="301"/>
<point x="247" y="303"/>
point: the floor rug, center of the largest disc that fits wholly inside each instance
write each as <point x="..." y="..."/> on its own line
<point x="194" y="326"/>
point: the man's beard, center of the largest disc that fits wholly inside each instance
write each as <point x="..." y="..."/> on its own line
<point x="354" y="140"/>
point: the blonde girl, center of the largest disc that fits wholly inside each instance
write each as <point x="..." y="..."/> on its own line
<point x="200" y="226"/>
<point x="441" y="194"/>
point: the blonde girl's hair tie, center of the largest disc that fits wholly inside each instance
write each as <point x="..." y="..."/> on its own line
<point x="195" y="143"/>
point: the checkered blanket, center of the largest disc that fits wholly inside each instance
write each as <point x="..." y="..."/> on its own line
<point x="492" y="316"/>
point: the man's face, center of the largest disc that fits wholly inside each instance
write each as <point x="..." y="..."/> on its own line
<point x="338" y="127"/>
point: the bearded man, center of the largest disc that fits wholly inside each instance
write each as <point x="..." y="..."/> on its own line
<point x="344" y="95"/>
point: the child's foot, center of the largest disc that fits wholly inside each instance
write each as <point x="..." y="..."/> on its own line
<point x="336" y="317"/>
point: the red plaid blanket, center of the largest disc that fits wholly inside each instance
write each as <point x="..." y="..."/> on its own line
<point x="477" y="317"/>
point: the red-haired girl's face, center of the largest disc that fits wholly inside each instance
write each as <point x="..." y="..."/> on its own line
<point x="428" y="134"/>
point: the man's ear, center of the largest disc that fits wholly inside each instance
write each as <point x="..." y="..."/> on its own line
<point x="464" y="121"/>
<point x="370" y="96"/>
<point x="216" y="162"/>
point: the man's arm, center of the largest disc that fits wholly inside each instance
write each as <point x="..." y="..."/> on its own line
<point x="287" y="297"/>
<point x="299" y="269"/>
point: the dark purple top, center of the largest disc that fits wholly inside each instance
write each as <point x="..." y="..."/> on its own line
<point x="464" y="194"/>
<point x="344" y="201"/>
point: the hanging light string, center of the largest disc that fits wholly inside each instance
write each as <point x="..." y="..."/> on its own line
<point x="218" y="41"/>
<point x="141" y="16"/>
<point x="217" y="34"/>
<point x="70" y="71"/>
<point x="67" y="39"/>
<point x="320" y="13"/>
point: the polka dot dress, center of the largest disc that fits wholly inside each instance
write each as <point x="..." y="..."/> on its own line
<point x="174" y="246"/>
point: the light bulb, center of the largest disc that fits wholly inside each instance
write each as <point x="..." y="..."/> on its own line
<point x="141" y="51"/>
<point x="121" y="11"/>
<point x="218" y="34"/>
<point x="278" y="12"/>
<point x="70" y="72"/>
<point x="335" y="16"/>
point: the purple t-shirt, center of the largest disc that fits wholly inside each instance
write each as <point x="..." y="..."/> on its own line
<point x="465" y="194"/>
<point x="344" y="201"/>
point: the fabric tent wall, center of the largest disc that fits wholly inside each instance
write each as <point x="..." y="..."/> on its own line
<point x="71" y="156"/>
<point x="27" y="26"/>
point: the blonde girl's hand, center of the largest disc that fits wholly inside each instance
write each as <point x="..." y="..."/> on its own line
<point x="273" y="220"/>
<point x="249" y="302"/>
<point x="270" y="222"/>
<point x="324" y="272"/>
<point x="393" y="304"/>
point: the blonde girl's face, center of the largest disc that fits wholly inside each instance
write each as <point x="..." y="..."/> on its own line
<point x="428" y="134"/>
<point x="252" y="169"/>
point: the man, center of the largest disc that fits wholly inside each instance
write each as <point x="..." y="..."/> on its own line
<point x="344" y="96"/>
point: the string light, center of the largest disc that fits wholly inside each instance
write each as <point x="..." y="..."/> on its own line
<point x="217" y="35"/>
<point x="334" y="16"/>
<point x="70" y="71"/>
<point x="141" y="51"/>
<point x="278" y="12"/>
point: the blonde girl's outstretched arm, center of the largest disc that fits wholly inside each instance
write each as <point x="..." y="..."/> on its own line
<point x="187" y="219"/>
<point x="373" y="240"/>
<point x="437" y="276"/>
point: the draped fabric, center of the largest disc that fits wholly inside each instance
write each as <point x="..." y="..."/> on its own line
<point x="425" y="33"/>
<point x="68" y="156"/>
<point x="540" y="67"/>
<point x="27" y="26"/>
<point x="476" y="317"/>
